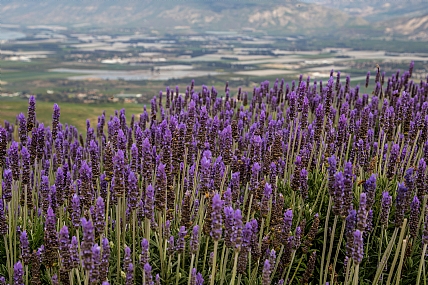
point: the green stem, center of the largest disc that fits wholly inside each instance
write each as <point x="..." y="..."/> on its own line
<point x="348" y="267"/>
<point x="134" y="214"/>
<point x="421" y="263"/>
<point x="357" y="267"/>
<point x="117" y="227"/>
<point x="235" y="264"/>
<point x="190" y="269"/>
<point x="330" y="250"/>
<point x="9" y="270"/>
<point x="380" y="243"/>
<point x="223" y="262"/>
<point x="397" y="253"/>
<point x="177" y="271"/>
<point x="325" y="240"/>
<point x="385" y="256"/>
<point x="400" y="265"/>
<point x="214" y="263"/>
<point x="205" y="256"/>
<point x="297" y="269"/>
<point x="289" y="267"/>
<point x="278" y="259"/>
<point x="338" y="249"/>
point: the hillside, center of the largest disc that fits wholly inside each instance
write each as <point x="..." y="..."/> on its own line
<point x="165" y="15"/>
<point x="413" y="27"/>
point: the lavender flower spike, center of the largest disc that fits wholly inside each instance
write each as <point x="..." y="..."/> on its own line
<point x="18" y="274"/>
<point x="358" y="250"/>
<point x="266" y="273"/>
<point x="25" y="248"/>
<point x="87" y="243"/>
<point x="217" y="221"/>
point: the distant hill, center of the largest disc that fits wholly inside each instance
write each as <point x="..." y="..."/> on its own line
<point x="166" y="15"/>
<point x="413" y="27"/>
<point x="377" y="10"/>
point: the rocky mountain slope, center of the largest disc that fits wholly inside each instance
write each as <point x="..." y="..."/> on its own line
<point x="277" y="16"/>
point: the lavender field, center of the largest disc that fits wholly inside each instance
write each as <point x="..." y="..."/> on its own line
<point x="289" y="183"/>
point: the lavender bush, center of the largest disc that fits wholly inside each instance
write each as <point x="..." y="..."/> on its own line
<point x="309" y="184"/>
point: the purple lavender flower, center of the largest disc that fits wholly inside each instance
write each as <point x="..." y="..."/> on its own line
<point x="31" y="115"/>
<point x="237" y="230"/>
<point x="25" y="165"/>
<point x="148" y="274"/>
<point x="217" y="221"/>
<point x="393" y="161"/>
<point x="3" y="222"/>
<point x="226" y="144"/>
<point x="144" y="258"/>
<point x="119" y="173"/>
<point x="358" y="247"/>
<point x="74" y="252"/>
<point x="25" y="248"/>
<point x="199" y="279"/>
<point x="14" y="160"/>
<point x="171" y="247"/>
<point x="87" y="243"/>
<point x="362" y="213"/>
<point x="338" y="194"/>
<point x="414" y="217"/>
<point x="332" y="166"/>
<point x="161" y="187"/>
<point x="133" y="191"/>
<point x="425" y="233"/>
<point x="194" y="240"/>
<point x="228" y="223"/>
<point x="22" y="129"/>
<point x="99" y="217"/>
<point x="94" y="274"/>
<point x="3" y="145"/>
<point x="266" y="273"/>
<point x="104" y="265"/>
<point x="370" y="190"/>
<point x="85" y="175"/>
<point x="267" y="193"/>
<point x="127" y="260"/>
<point x="309" y="268"/>
<point x="7" y="185"/>
<point x="149" y="202"/>
<point x="385" y="208"/>
<point x="304" y="183"/>
<point x="51" y="239"/>
<point x="180" y="241"/>
<point x="18" y="274"/>
<point x="400" y="204"/>
<point x="421" y="184"/>
<point x="288" y="221"/>
<point x="64" y="241"/>
<point x="75" y="211"/>
<point x="55" y="120"/>
<point x="129" y="275"/>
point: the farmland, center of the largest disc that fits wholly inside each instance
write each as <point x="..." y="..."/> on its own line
<point x="66" y="66"/>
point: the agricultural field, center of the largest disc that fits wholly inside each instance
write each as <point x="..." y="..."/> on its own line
<point x="286" y="183"/>
<point x="74" y="114"/>
<point x="70" y="65"/>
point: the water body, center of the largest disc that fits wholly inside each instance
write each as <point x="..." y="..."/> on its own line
<point x="6" y="35"/>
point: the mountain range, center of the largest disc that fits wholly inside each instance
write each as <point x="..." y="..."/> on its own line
<point x="407" y="18"/>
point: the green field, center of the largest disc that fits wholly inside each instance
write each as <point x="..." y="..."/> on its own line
<point x="12" y="77"/>
<point x="71" y="113"/>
